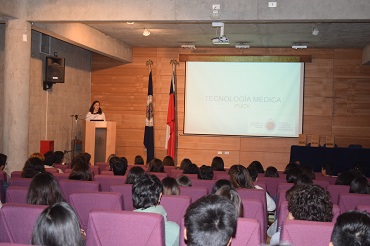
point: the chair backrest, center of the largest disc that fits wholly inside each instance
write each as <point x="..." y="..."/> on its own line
<point x="51" y="170"/>
<point x="107" y="172"/>
<point x="261" y="184"/>
<point x="253" y="194"/>
<point x="67" y="170"/>
<point x="16" y="194"/>
<point x="160" y="176"/>
<point x="349" y="201"/>
<point x="363" y="208"/>
<point x="282" y="187"/>
<point x="271" y="184"/>
<point x="194" y="192"/>
<point x="220" y="175"/>
<point x="16" y="174"/>
<point x="208" y="184"/>
<point x="254" y="209"/>
<point x="17" y="222"/>
<point x="95" y="170"/>
<point x="25" y="182"/>
<point x="83" y="203"/>
<point x="306" y="233"/>
<point x="61" y="166"/>
<point x="60" y="176"/>
<point x="125" y="228"/>
<point x="175" y="207"/>
<point x="106" y="181"/>
<point x="102" y="166"/>
<point x="280" y="198"/>
<point x="321" y="182"/>
<point x="168" y="170"/>
<point x="72" y="186"/>
<point x="335" y="190"/>
<point x="176" y="172"/>
<point x="126" y="191"/>
<point x="248" y="233"/>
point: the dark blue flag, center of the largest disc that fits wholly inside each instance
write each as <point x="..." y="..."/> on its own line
<point x="149" y="128"/>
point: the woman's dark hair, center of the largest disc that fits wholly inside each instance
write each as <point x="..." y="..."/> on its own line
<point x="77" y="160"/>
<point x="57" y="225"/>
<point x="290" y="166"/>
<point x="3" y="159"/>
<point x="328" y="168"/>
<point x="156" y="166"/>
<point x="240" y="178"/>
<point x="183" y="180"/>
<point x="119" y="165"/>
<point x="100" y="111"/>
<point x="139" y="160"/>
<point x="44" y="190"/>
<point x="359" y="185"/>
<point x="146" y="191"/>
<point x="345" y="178"/>
<point x="32" y="167"/>
<point x="170" y="186"/>
<point x="303" y="179"/>
<point x="191" y="169"/>
<point x="81" y="171"/>
<point x="233" y="196"/>
<point x="308" y="171"/>
<point x="59" y="156"/>
<point x="257" y="165"/>
<point x="185" y="163"/>
<point x="168" y="161"/>
<point x="205" y="172"/>
<point x="218" y="164"/>
<point x="253" y="173"/>
<point x="133" y="174"/>
<point x="292" y="175"/>
<point x="50" y="158"/>
<point x="219" y="183"/>
<point x="271" y="172"/>
<point x="86" y="156"/>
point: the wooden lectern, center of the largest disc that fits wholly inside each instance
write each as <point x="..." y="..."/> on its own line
<point x="99" y="140"/>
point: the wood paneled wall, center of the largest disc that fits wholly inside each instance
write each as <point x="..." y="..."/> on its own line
<point x="336" y="102"/>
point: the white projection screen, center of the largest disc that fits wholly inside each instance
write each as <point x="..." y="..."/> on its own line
<point x="244" y="98"/>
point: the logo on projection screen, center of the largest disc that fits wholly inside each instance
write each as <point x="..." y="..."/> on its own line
<point x="270" y="125"/>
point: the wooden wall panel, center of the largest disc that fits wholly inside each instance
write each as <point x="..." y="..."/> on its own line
<point x="337" y="97"/>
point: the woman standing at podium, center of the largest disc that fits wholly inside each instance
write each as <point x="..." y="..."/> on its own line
<point x="95" y="112"/>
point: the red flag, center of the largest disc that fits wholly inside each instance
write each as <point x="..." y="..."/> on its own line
<point x="170" y="144"/>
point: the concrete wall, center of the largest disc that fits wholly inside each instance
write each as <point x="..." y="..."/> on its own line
<point x="2" y="46"/>
<point x="51" y="110"/>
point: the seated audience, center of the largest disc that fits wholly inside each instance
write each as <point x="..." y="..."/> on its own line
<point x="211" y="220"/>
<point x="59" y="157"/>
<point x="146" y="195"/>
<point x="233" y="196"/>
<point x="119" y="165"/>
<point x="3" y="162"/>
<point x="360" y="185"/>
<point x="156" y="166"/>
<point x="292" y="175"/>
<point x="271" y="172"/>
<point x="308" y="171"/>
<point x="220" y="183"/>
<point x="109" y="158"/>
<point x="218" y="164"/>
<point x="351" y="229"/>
<point x="257" y="165"/>
<point x="290" y="166"/>
<point x="44" y="190"/>
<point x="328" y="170"/>
<point x="32" y="167"/>
<point x="191" y="169"/>
<point x="37" y="155"/>
<point x="303" y="179"/>
<point x="58" y="225"/>
<point x="81" y="171"/>
<point x="168" y="161"/>
<point x="185" y="163"/>
<point x="77" y="159"/>
<point x="183" y="180"/>
<point x="86" y="156"/>
<point x="133" y="174"/>
<point x="345" y="178"/>
<point x="170" y="187"/>
<point x="205" y="173"/>
<point x="139" y="160"/>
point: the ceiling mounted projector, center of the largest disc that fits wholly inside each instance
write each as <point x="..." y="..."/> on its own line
<point x="299" y="46"/>
<point x="242" y="46"/>
<point x="220" y="39"/>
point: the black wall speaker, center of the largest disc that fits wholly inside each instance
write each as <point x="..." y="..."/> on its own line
<point x="54" y="72"/>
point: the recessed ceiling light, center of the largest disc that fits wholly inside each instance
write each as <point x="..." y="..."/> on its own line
<point x="130" y="22"/>
<point x="146" y="32"/>
<point x="299" y="46"/>
<point x="315" y="31"/>
<point x="188" y="46"/>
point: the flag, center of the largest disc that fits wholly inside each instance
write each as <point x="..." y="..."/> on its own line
<point x="170" y="144"/>
<point x="149" y="128"/>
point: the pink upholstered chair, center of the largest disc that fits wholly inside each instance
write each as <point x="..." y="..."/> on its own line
<point x="363" y="208"/>
<point x="208" y="184"/>
<point x="126" y="191"/>
<point x="323" y="183"/>
<point x="95" y="170"/>
<point x="168" y="170"/>
<point x="194" y="192"/>
<point x="350" y="201"/>
<point x="60" y="176"/>
<point x="61" y="166"/>
<point x="248" y="233"/>
<point x="261" y="184"/>
<point x="254" y="194"/>
<point x="67" y="170"/>
<point x="175" y="207"/>
<point x="16" y="194"/>
<point x="271" y="184"/>
<point x="83" y="203"/>
<point x="124" y="228"/>
<point x="106" y="181"/>
<point x="106" y="172"/>
<point x="17" y="222"/>
<point x="306" y="233"/>
<point x="25" y="182"/>
<point x="221" y="175"/>
<point x="72" y="186"/>
<point x="16" y="174"/>
<point x="254" y="209"/>
<point x="176" y="172"/>
<point x="160" y="176"/>
<point x="335" y="190"/>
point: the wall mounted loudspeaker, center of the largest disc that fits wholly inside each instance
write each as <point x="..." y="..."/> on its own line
<point x="54" y="72"/>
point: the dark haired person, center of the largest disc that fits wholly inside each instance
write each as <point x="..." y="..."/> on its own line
<point x="218" y="164"/>
<point x="345" y="178"/>
<point x="58" y="225"/>
<point x="81" y="171"/>
<point x="211" y="220"/>
<point x="59" y="156"/>
<point x="170" y="187"/>
<point x="257" y="165"/>
<point x="119" y="165"/>
<point x="139" y="160"/>
<point x="44" y="190"/>
<point x="191" y="169"/>
<point x="292" y="175"/>
<point x="77" y="159"/>
<point x="146" y="196"/>
<point x="156" y="166"/>
<point x="360" y="185"/>
<point x="133" y="174"/>
<point x="185" y="163"/>
<point x="233" y="196"/>
<point x="271" y="172"/>
<point x="32" y="167"/>
<point x="168" y="161"/>
<point x="351" y="229"/>
<point x="183" y="180"/>
<point x="205" y="173"/>
<point x="95" y="112"/>
<point x="220" y="183"/>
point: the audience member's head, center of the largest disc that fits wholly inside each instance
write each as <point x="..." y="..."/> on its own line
<point x="191" y="169"/>
<point x="50" y="158"/>
<point x="86" y="156"/>
<point x="303" y="179"/>
<point x="44" y="190"/>
<point x="345" y="178"/>
<point x="32" y="167"/>
<point x="257" y="165"/>
<point x="308" y="171"/>
<point x="3" y="159"/>
<point x="310" y="202"/>
<point x="211" y="220"/>
<point x="139" y="160"/>
<point x="57" y="225"/>
<point x="220" y="183"/>
<point x="233" y="196"/>
<point x="205" y="172"/>
<point x="156" y="166"/>
<point x="168" y="161"/>
<point x="146" y="192"/>
<point x="133" y="174"/>
<point x="253" y="172"/>
<point x="351" y="229"/>
<point x="183" y="180"/>
<point x="59" y="156"/>
<point x="37" y="155"/>
<point x="218" y="164"/>
<point x="271" y="172"/>
<point x="77" y="160"/>
<point x="360" y="185"/>
<point x="289" y="166"/>
<point x="292" y="175"/>
<point x="119" y="165"/>
<point x="109" y="158"/>
<point x="170" y="186"/>
<point x="81" y="171"/>
<point x="240" y="178"/>
<point x="327" y="169"/>
<point x="185" y="163"/>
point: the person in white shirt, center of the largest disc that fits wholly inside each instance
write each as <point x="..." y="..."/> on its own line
<point x="95" y="112"/>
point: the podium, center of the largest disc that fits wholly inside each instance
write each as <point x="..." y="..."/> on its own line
<point x="99" y="140"/>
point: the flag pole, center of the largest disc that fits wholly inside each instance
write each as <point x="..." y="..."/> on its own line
<point x="174" y="64"/>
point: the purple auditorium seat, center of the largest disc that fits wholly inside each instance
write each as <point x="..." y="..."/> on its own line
<point x="322" y="183"/>
<point x="271" y="184"/>
<point x="60" y="176"/>
<point x="335" y="190"/>
<point x="83" y="203"/>
<point x="116" y="228"/>
<point x="95" y="170"/>
<point x="25" y="182"/>
<point x="261" y="184"/>
<point x="282" y="187"/>
<point x="168" y="170"/>
<point x="306" y="233"/>
<point x="194" y="192"/>
<point x="254" y="209"/>
<point x="126" y="191"/>
<point x="280" y="198"/>
<point x="12" y="244"/>
<point x="16" y="174"/>
<point x="17" y="222"/>
<point x="248" y="233"/>
<point x="363" y="208"/>
<point x="106" y="181"/>
<point x="16" y="194"/>
<point x="350" y="201"/>
<point x="176" y="172"/>
<point x="253" y="194"/>
<point x="160" y="176"/>
<point x="107" y="172"/>
<point x="208" y="184"/>
<point x="72" y="186"/>
<point x="221" y="175"/>
<point x="102" y="166"/>
<point x="61" y="166"/>
<point x="175" y="207"/>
